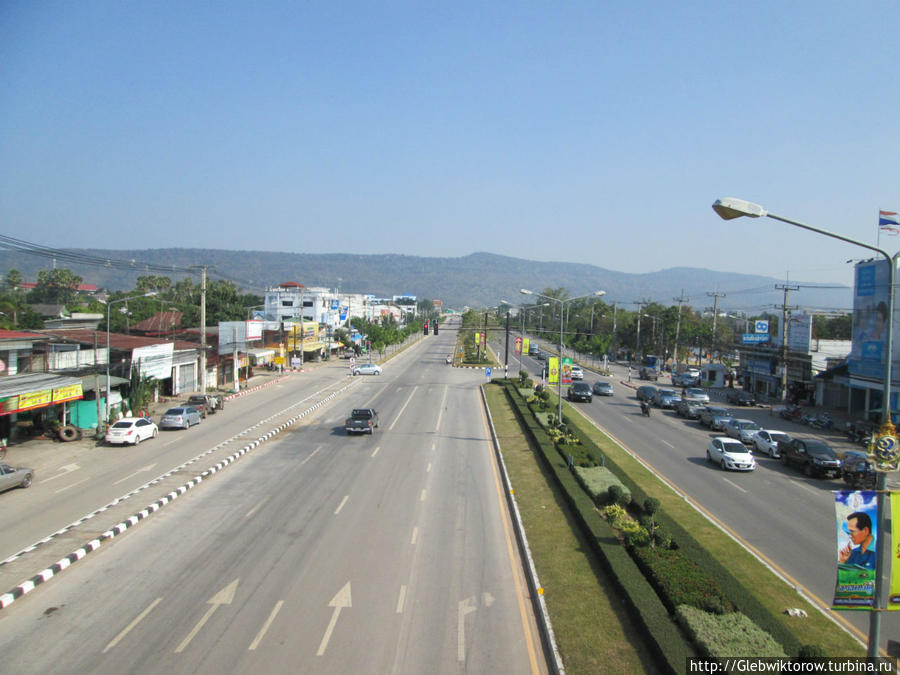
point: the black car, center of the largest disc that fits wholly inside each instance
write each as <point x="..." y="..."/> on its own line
<point x="580" y="391"/>
<point x="645" y="393"/>
<point x="740" y="397"/>
<point x="812" y="456"/>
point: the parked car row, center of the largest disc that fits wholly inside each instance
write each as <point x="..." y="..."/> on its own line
<point x="133" y="430"/>
<point x="733" y="447"/>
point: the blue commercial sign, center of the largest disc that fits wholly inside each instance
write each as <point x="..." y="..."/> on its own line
<point x="487" y="372"/>
<point x="754" y="338"/>
<point x="762" y="326"/>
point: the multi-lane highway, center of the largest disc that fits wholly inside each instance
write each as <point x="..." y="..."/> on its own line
<point x="316" y="552"/>
<point x="780" y="513"/>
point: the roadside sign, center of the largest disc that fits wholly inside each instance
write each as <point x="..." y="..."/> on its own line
<point x="754" y="338"/>
<point x="762" y="326"/>
<point x="488" y="371"/>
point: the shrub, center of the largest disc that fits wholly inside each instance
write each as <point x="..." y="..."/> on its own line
<point x="615" y="493"/>
<point x="723" y="635"/>
<point x="812" y="652"/>
<point x="614" y="514"/>
<point x="680" y="581"/>
<point x="633" y="534"/>
<point x="651" y="506"/>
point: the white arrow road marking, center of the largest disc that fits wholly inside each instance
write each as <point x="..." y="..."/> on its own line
<point x="467" y="606"/>
<point x="339" y="601"/>
<point x="83" y="480"/>
<point x="63" y="470"/>
<point x="487" y="599"/>
<point x="223" y="597"/>
<point x="262" y="631"/>
<point x="132" y="475"/>
<point x="140" y="617"/>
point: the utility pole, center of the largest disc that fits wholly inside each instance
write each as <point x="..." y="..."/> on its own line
<point x="784" y="336"/>
<point x="715" y="297"/>
<point x="506" y="354"/>
<point x="203" y="329"/>
<point x="679" y="300"/>
<point x="637" y="349"/>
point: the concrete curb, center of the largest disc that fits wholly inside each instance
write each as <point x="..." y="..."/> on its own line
<point x="30" y="584"/>
<point x="537" y="592"/>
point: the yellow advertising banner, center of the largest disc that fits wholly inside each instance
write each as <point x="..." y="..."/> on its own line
<point x="70" y="393"/>
<point x="893" y="601"/>
<point x="526" y="346"/>
<point x="553" y="364"/>
<point x="35" y="399"/>
<point x="9" y="405"/>
<point x="477" y="339"/>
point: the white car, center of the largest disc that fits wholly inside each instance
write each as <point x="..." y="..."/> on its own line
<point x="766" y="440"/>
<point x="696" y="394"/>
<point x="729" y="453"/>
<point x="131" y="431"/>
<point x="367" y="369"/>
<point x="577" y="373"/>
<point x="742" y="430"/>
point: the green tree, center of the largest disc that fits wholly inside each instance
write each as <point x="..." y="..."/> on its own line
<point x="13" y="280"/>
<point x="55" y="286"/>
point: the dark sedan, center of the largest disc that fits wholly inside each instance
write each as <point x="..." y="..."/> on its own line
<point x="645" y="393"/>
<point x="580" y="391"/>
<point x="740" y="397"/>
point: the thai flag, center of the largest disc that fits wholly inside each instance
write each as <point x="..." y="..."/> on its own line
<point x="889" y="221"/>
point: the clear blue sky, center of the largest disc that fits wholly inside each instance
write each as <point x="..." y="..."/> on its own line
<point x="593" y="132"/>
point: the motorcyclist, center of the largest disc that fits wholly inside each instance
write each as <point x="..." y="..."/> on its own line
<point x="645" y="408"/>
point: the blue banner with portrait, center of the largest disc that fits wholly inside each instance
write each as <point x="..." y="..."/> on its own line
<point x="857" y="540"/>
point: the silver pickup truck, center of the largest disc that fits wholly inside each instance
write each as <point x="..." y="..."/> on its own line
<point x="362" y="421"/>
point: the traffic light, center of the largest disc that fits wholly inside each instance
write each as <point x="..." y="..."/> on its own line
<point x="425" y="330"/>
<point x="435" y="327"/>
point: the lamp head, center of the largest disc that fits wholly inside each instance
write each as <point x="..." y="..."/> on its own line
<point x="729" y="208"/>
<point x="525" y="291"/>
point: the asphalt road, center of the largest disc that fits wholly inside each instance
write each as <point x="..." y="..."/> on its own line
<point x="317" y="552"/>
<point x="787" y="518"/>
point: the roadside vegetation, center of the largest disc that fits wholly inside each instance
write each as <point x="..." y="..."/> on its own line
<point x="646" y="522"/>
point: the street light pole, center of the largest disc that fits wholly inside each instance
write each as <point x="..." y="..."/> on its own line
<point x="108" y="306"/>
<point x="562" y="306"/>
<point x="729" y="208"/>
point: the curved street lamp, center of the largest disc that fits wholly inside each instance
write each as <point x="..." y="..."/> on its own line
<point x="729" y="208"/>
<point x="108" y="306"/>
<point x="562" y="304"/>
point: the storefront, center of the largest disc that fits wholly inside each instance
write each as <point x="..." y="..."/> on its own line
<point x="30" y="403"/>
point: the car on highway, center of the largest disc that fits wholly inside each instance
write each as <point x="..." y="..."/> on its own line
<point x="602" y="388"/>
<point x="714" y="417"/>
<point x="742" y="430"/>
<point x="688" y="408"/>
<point x="577" y="373"/>
<point x="648" y="373"/>
<point x="580" y="391"/>
<point x="740" y="397"/>
<point x="665" y="398"/>
<point x="696" y="394"/>
<point x="645" y="393"/>
<point x="131" y="431"/>
<point x="13" y="477"/>
<point x="686" y="379"/>
<point x="812" y="456"/>
<point x="767" y="440"/>
<point x="729" y="453"/>
<point x="367" y="369"/>
<point x="182" y="417"/>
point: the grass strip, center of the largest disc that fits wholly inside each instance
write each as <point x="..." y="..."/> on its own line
<point x="593" y="632"/>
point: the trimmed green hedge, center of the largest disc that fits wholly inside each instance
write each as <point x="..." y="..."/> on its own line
<point x="743" y="600"/>
<point x="730" y="634"/>
<point x="664" y="636"/>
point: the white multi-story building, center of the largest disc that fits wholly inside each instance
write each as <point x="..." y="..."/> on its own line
<point x="290" y="301"/>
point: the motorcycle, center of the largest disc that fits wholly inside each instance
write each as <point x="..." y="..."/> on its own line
<point x="792" y="412"/>
<point x="822" y="421"/>
<point x="449" y="360"/>
<point x="645" y="409"/>
<point x="857" y="471"/>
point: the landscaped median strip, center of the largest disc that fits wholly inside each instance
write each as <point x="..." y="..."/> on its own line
<point x="29" y="585"/>
<point x="533" y="582"/>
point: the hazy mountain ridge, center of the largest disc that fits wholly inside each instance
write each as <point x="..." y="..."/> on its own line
<point x="478" y="279"/>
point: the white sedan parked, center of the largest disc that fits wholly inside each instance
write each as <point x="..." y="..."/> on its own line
<point x="730" y="454"/>
<point x="766" y="440"/>
<point x="367" y="369"/>
<point x="697" y="394"/>
<point x="131" y="431"/>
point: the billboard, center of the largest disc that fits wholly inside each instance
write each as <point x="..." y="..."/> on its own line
<point x="155" y="360"/>
<point x="870" y="317"/>
<point x="799" y="332"/>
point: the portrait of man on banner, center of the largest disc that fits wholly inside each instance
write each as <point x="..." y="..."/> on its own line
<point x="856" y="516"/>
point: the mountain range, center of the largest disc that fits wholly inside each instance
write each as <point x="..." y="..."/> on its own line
<point x="476" y="280"/>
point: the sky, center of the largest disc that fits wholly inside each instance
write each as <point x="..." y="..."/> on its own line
<point x="589" y="132"/>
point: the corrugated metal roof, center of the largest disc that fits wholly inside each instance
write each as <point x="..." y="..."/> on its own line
<point x="29" y="382"/>
<point x="116" y="340"/>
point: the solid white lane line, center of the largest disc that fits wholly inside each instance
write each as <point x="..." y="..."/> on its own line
<point x="415" y="536"/>
<point x="667" y="443"/>
<point x="409" y="398"/>
<point x="262" y="631"/>
<point x="401" y="599"/>
<point x="343" y="501"/>
<point x="256" y="508"/>
<point x="437" y="426"/>
<point x="422" y="496"/>
<point x="735" y="485"/>
<point x="140" y="617"/>
<point x="375" y="451"/>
